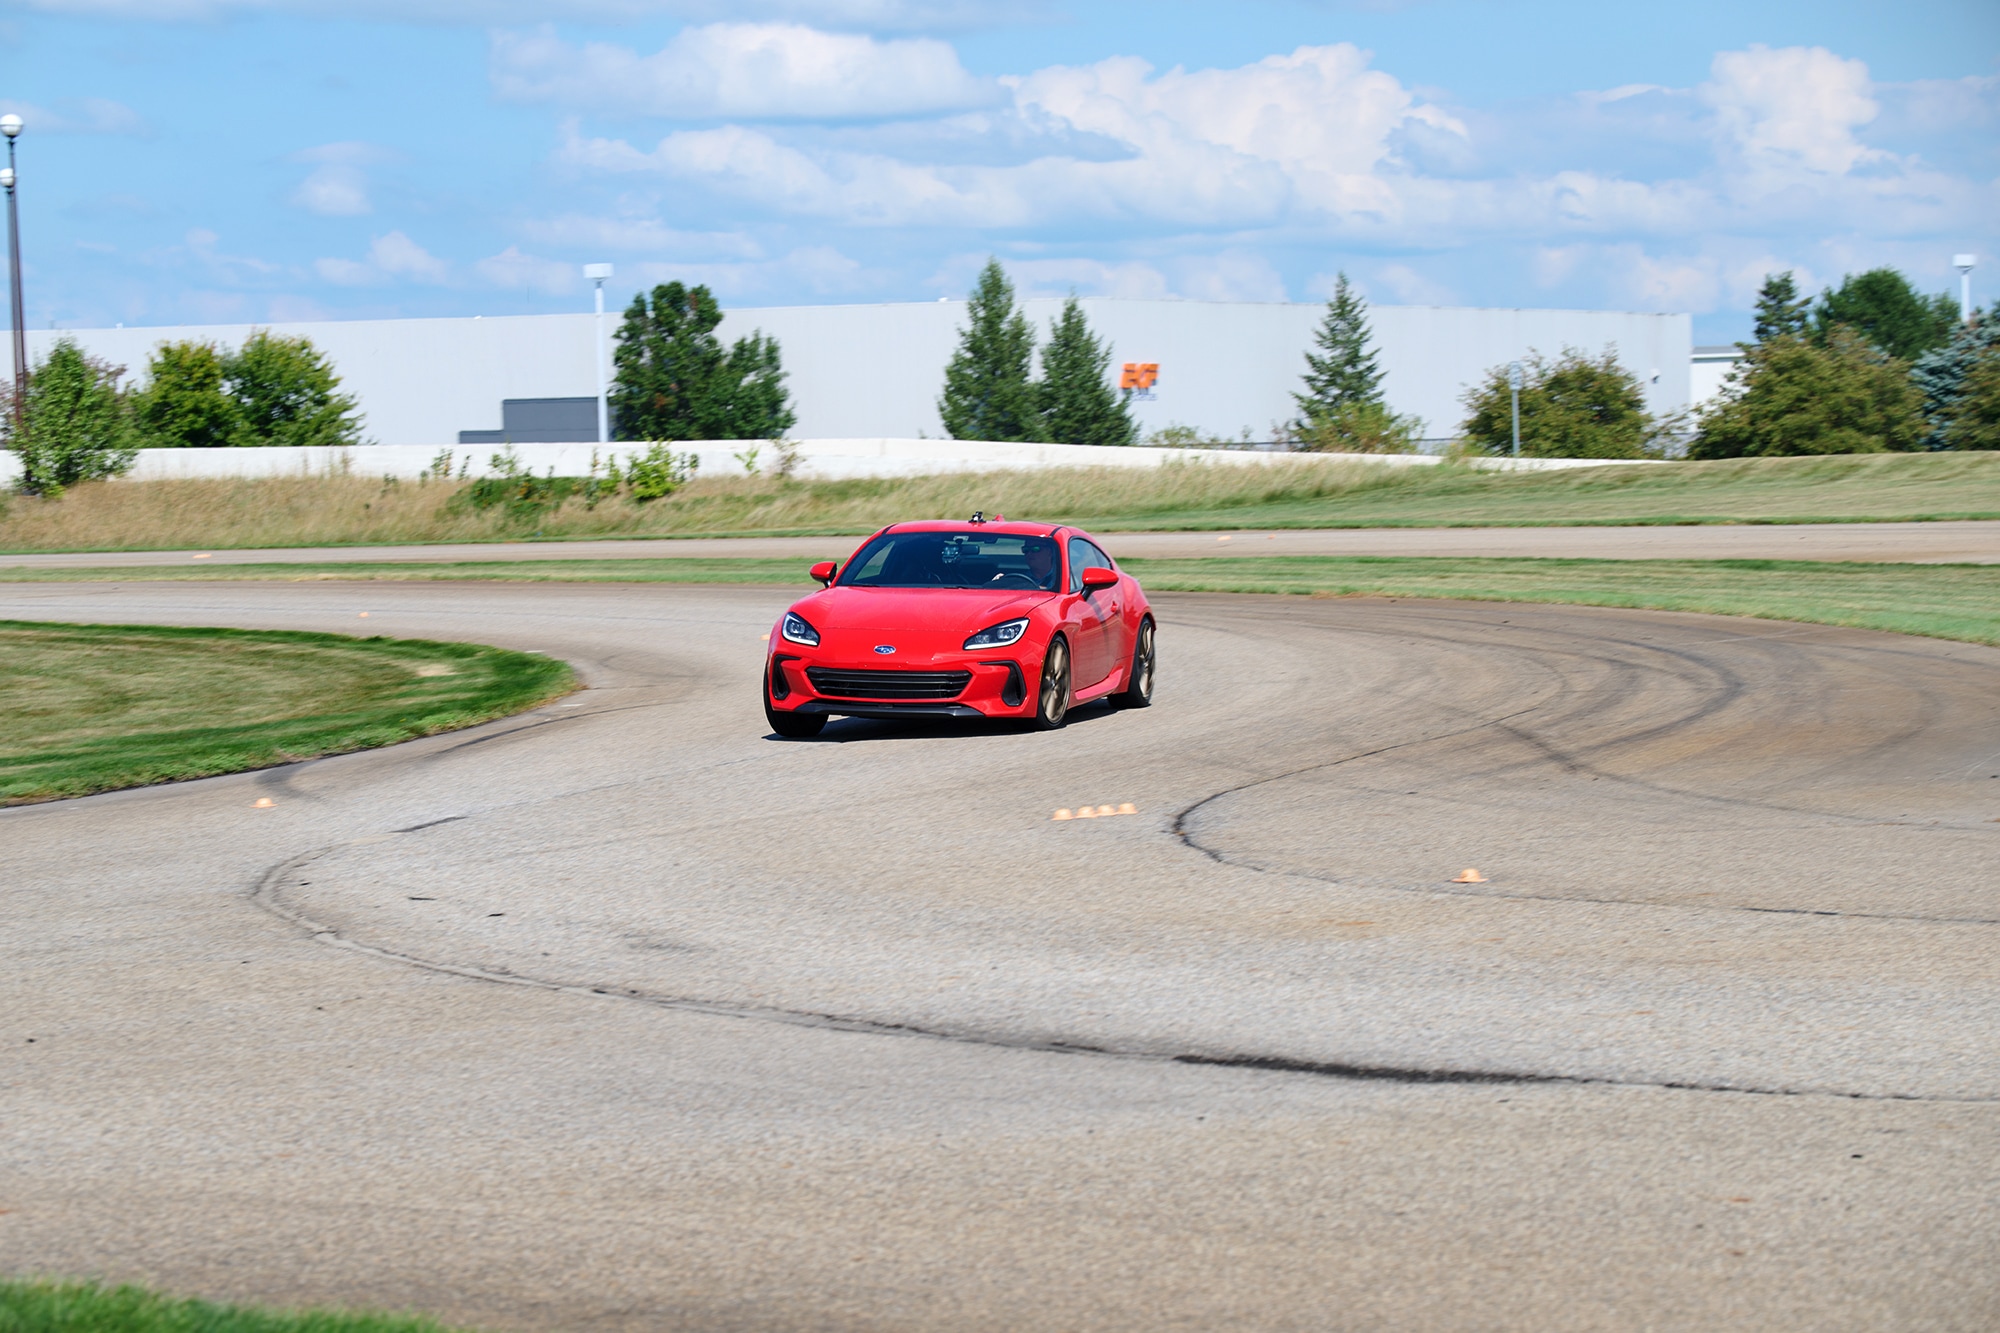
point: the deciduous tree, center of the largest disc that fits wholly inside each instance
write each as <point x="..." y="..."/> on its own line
<point x="185" y="404"/>
<point x="1793" y="396"/>
<point x="287" y="393"/>
<point x="1573" y="407"/>
<point x="75" y="423"/>
<point x="1884" y="308"/>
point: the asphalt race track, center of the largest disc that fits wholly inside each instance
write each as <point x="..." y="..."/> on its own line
<point x="625" y="1015"/>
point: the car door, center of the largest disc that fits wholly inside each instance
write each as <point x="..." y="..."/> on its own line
<point x="1111" y="605"/>
<point x="1090" y="655"/>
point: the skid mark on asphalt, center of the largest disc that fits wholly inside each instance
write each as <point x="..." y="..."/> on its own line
<point x="266" y="893"/>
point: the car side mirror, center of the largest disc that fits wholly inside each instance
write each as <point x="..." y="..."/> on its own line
<point x="824" y="571"/>
<point x="1098" y="577"/>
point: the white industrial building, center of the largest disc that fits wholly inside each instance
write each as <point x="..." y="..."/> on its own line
<point x="875" y="371"/>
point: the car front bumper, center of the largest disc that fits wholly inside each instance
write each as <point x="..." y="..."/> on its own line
<point x="996" y="687"/>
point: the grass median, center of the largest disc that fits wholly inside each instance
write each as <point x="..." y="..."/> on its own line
<point x="1298" y="491"/>
<point x="84" y="1307"/>
<point x="89" y="708"/>
<point x="1942" y="601"/>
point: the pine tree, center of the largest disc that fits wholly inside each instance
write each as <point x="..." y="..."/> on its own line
<point x="1078" y="403"/>
<point x="1940" y="374"/>
<point x="1780" y="308"/>
<point x="1975" y="417"/>
<point x="285" y="394"/>
<point x="1343" y="372"/>
<point x="987" y="391"/>
<point x="674" y="381"/>
<point x="184" y="404"/>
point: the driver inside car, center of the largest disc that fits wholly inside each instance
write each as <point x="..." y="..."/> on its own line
<point x="1041" y="563"/>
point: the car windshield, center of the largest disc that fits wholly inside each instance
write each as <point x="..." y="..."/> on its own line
<point x="954" y="560"/>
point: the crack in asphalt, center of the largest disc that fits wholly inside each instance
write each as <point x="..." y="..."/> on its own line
<point x="265" y="894"/>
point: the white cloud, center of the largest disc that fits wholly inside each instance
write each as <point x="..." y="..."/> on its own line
<point x="514" y="271"/>
<point x="333" y="192"/>
<point x="337" y="187"/>
<point x="391" y="257"/>
<point x="83" y="115"/>
<point x="626" y="234"/>
<point x="1308" y="133"/>
<point x="872" y="15"/>
<point x="1782" y="112"/>
<point x="755" y="71"/>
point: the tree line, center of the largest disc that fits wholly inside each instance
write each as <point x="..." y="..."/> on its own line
<point x="75" y="421"/>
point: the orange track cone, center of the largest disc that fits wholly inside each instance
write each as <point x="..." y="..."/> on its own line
<point x="1469" y="876"/>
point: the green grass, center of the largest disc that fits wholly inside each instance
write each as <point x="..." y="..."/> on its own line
<point x="1943" y="601"/>
<point x="80" y="1307"/>
<point x="88" y="708"/>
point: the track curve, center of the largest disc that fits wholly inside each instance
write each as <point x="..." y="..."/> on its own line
<point x="1719" y="856"/>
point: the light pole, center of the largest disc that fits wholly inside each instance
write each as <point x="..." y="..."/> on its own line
<point x="597" y="273"/>
<point x="1964" y="263"/>
<point x="10" y="125"/>
<point x="1514" y="393"/>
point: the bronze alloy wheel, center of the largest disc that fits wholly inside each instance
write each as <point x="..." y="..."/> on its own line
<point x="1052" y="706"/>
<point x="1138" y="691"/>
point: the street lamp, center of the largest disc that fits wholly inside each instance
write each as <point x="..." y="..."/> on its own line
<point x="1514" y="393"/>
<point x="10" y="125"/>
<point x="597" y="273"/>
<point x="1964" y="263"/>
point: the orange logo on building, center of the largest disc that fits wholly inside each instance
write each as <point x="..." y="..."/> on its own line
<point x="1139" y="375"/>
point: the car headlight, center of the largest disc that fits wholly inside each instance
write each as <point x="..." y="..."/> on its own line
<point x="1000" y="635"/>
<point x="797" y="631"/>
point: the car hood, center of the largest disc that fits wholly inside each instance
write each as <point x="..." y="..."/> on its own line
<point x="925" y="611"/>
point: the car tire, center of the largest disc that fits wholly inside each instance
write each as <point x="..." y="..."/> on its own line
<point x="1138" y="691"/>
<point x="1052" y="695"/>
<point x="795" y="726"/>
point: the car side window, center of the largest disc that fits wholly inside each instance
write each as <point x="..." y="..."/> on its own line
<point x="1098" y="557"/>
<point x="1079" y="560"/>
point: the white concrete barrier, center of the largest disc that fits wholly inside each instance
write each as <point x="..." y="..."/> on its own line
<point x="826" y="459"/>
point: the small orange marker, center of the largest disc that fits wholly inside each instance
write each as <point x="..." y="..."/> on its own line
<point x="204" y="556"/>
<point x="1062" y="814"/>
<point x="765" y="637"/>
<point x="1222" y="539"/>
<point x="264" y="803"/>
<point x="1128" y="809"/>
<point x="1469" y="876"/>
<point x="364" y="615"/>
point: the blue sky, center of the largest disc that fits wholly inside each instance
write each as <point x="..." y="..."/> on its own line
<point x="250" y="160"/>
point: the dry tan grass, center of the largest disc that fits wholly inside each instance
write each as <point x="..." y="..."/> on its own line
<point x="338" y="511"/>
<point x="1307" y="491"/>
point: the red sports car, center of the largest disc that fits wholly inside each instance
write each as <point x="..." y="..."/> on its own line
<point x="983" y="618"/>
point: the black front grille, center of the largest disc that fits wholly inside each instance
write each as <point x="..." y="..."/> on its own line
<point x="837" y="684"/>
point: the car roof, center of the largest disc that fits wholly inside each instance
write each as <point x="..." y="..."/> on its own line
<point x="1006" y="527"/>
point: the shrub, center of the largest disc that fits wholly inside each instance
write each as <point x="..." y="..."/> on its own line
<point x="988" y="392"/>
<point x="1077" y="402"/>
<point x="1573" y="407"/>
<point x="1790" y="396"/>
<point x="1941" y="373"/>
<point x="76" y="424"/>
<point x="1355" y="428"/>
<point x="658" y="473"/>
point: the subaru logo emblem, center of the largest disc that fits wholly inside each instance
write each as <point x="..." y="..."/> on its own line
<point x="885" y="647"/>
